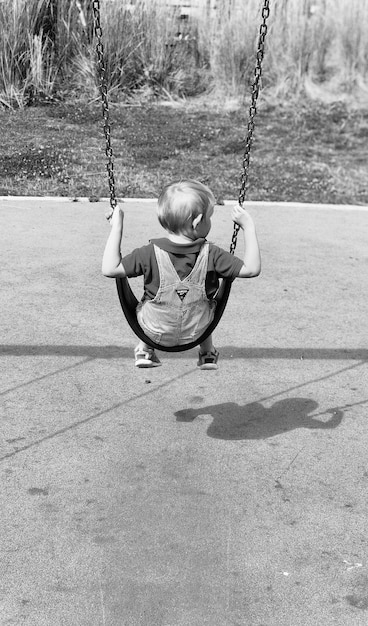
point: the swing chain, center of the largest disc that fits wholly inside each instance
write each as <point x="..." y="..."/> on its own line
<point x="105" y="103"/>
<point x="252" y="109"/>
<point x="252" y="113"/>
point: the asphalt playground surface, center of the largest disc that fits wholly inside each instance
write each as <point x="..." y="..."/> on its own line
<point x="176" y="497"/>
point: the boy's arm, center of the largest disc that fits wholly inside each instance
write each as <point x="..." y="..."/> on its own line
<point x="112" y="266"/>
<point x="252" y="257"/>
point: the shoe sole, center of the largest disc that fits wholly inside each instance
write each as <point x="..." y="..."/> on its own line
<point x="145" y="364"/>
<point x="208" y="366"/>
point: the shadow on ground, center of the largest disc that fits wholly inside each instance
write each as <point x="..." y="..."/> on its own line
<point x="253" y="421"/>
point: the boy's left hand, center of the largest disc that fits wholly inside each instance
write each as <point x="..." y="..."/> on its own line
<point x="242" y="217"/>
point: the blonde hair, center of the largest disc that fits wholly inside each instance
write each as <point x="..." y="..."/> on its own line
<point x="182" y="201"/>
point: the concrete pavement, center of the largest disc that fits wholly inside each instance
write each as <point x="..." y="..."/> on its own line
<point x="175" y="497"/>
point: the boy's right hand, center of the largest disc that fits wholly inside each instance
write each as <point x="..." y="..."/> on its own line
<point x="116" y="218"/>
<point x="242" y="217"/>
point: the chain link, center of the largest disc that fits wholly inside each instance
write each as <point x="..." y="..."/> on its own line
<point x="252" y="113"/>
<point x="105" y="103"/>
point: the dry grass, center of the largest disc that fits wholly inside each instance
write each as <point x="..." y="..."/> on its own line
<point x="319" y="47"/>
<point x="314" y="46"/>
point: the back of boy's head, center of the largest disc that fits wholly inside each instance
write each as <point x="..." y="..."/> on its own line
<point x="182" y="201"/>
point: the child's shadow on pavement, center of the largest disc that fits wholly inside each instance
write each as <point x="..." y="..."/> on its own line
<point x="254" y="421"/>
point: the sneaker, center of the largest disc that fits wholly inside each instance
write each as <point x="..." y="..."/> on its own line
<point x="208" y="360"/>
<point x="146" y="358"/>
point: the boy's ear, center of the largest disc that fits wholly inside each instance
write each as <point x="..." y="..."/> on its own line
<point x="196" y="221"/>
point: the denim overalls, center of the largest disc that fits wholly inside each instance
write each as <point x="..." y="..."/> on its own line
<point x="180" y="311"/>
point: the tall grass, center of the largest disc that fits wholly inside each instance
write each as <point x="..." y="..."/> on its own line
<point x="47" y="48"/>
<point x="351" y="32"/>
<point x="38" y="39"/>
<point x="232" y="46"/>
<point x="318" y="43"/>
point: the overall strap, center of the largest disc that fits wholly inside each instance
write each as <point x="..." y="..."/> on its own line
<point x="199" y="270"/>
<point x="167" y="269"/>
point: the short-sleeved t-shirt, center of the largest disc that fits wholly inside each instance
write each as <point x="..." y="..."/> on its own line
<point x="142" y="262"/>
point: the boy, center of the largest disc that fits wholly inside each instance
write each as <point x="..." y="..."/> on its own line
<point x="181" y="272"/>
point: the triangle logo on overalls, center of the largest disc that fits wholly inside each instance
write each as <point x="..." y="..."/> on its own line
<point x="182" y="292"/>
